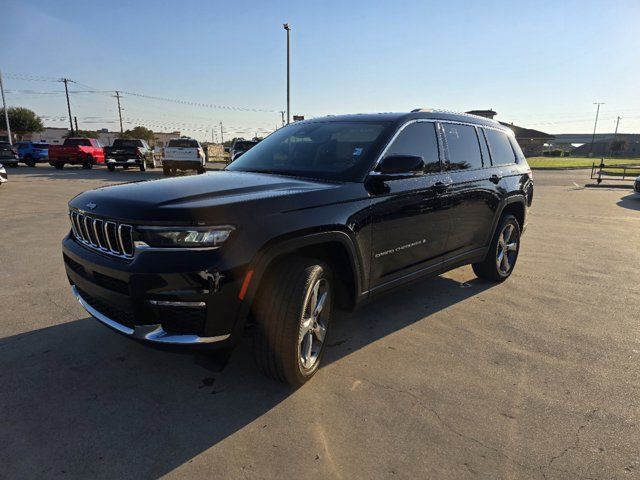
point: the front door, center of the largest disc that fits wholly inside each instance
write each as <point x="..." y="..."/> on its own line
<point x="411" y="223"/>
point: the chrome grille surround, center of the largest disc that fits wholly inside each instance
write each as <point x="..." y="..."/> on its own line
<point x="104" y="236"/>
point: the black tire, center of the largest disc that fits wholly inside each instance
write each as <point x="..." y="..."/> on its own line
<point x="111" y="168"/>
<point x="202" y="169"/>
<point x="87" y="164"/>
<point x="29" y="161"/>
<point x="13" y="165"/>
<point x="143" y="166"/>
<point x="58" y="166"/>
<point x="280" y="308"/>
<point x="495" y="267"/>
<point x="166" y="170"/>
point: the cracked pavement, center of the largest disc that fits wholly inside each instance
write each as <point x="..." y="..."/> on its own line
<point x="452" y="377"/>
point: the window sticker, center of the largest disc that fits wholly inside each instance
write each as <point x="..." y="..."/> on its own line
<point x="357" y="151"/>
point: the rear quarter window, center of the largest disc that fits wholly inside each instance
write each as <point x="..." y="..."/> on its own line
<point x="501" y="151"/>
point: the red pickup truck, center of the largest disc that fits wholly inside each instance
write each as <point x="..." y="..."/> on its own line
<point x="76" y="151"/>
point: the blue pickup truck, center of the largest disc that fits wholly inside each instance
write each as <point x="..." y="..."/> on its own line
<point x="31" y="153"/>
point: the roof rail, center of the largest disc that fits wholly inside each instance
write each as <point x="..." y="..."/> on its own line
<point x="415" y="110"/>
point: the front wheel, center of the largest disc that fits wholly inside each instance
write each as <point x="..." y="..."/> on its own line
<point x="29" y="162"/>
<point x="143" y="166"/>
<point x="503" y="252"/>
<point x="111" y="168"/>
<point x="87" y="164"/>
<point x="292" y="318"/>
<point x="166" y="171"/>
<point x="58" y="166"/>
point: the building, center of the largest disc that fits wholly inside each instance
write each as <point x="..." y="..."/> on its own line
<point x="160" y="139"/>
<point x="532" y="142"/>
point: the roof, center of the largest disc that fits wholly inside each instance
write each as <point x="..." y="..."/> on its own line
<point x="400" y="117"/>
<point x="522" y="132"/>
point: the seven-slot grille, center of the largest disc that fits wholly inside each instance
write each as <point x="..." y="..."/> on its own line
<point x="103" y="235"/>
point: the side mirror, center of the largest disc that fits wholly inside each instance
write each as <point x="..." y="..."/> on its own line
<point x="399" y="166"/>
<point x="238" y="155"/>
<point x="227" y="149"/>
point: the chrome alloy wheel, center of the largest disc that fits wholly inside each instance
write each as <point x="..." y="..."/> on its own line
<point x="313" y="324"/>
<point x="507" y="249"/>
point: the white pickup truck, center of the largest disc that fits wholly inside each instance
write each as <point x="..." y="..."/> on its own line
<point x="183" y="154"/>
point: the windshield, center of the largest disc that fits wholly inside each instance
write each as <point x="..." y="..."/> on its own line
<point x="243" y="145"/>
<point x="183" y="143"/>
<point x="120" y="143"/>
<point x="324" y="150"/>
<point x="74" y="142"/>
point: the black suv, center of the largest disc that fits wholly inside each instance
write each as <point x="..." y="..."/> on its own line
<point x="323" y="213"/>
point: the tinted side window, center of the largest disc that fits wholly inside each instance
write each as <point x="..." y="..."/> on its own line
<point x="486" y="159"/>
<point x="501" y="151"/>
<point x="464" y="150"/>
<point x="418" y="139"/>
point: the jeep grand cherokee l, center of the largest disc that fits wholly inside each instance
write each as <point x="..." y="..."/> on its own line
<point x="322" y="213"/>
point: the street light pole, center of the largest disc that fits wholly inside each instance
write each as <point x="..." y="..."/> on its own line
<point x="593" y="137"/>
<point x="6" y="113"/>
<point x="288" y="29"/>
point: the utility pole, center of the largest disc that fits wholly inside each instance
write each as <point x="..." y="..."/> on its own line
<point x="120" y="113"/>
<point x="221" y="135"/>
<point x="615" y="134"/>
<point x="66" y="90"/>
<point x="288" y="29"/>
<point x="75" y="119"/>
<point x="6" y="113"/>
<point x="593" y="137"/>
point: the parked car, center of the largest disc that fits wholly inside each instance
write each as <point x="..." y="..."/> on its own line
<point x="3" y="175"/>
<point x="323" y="213"/>
<point x="240" y="146"/>
<point x="129" y="152"/>
<point x="76" y="151"/>
<point x="636" y="185"/>
<point x="183" y="154"/>
<point x="31" y="153"/>
<point x="8" y="154"/>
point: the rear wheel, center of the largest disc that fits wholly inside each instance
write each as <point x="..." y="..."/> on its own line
<point x="503" y="252"/>
<point x="111" y="168"/>
<point x="58" y="166"/>
<point x="29" y="161"/>
<point x="166" y="170"/>
<point x="292" y="318"/>
<point x="143" y="166"/>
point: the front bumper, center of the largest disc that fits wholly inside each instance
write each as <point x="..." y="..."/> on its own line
<point x="160" y="297"/>
<point x="9" y="161"/>
<point x="150" y="333"/>
<point x="121" y="162"/>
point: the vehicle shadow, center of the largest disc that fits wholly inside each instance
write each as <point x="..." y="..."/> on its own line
<point x="630" y="201"/>
<point x="84" y="402"/>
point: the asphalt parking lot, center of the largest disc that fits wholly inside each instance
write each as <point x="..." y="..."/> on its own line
<point x="452" y="377"/>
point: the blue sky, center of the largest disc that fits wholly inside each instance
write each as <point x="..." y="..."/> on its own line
<point x="539" y="64"/>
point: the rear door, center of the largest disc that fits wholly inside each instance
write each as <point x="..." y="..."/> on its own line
<point x="474" y="194"/>
<point x="411" y="222"/>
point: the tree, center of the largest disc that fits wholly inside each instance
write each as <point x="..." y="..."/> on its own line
<point x="140" y="132"/>
<point x="82" y="133"/>
<point x="22" y="121"/>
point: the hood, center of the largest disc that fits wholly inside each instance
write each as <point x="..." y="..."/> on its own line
<point x="199" y="198"/>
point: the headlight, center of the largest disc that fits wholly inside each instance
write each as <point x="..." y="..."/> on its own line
<point x="187" y="237"/>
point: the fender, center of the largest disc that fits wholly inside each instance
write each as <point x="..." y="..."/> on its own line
<point x="517" y="198"/>
<point x="268" y="253"/>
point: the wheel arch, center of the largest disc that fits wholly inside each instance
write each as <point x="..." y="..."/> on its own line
<point x="334" y="247"/>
